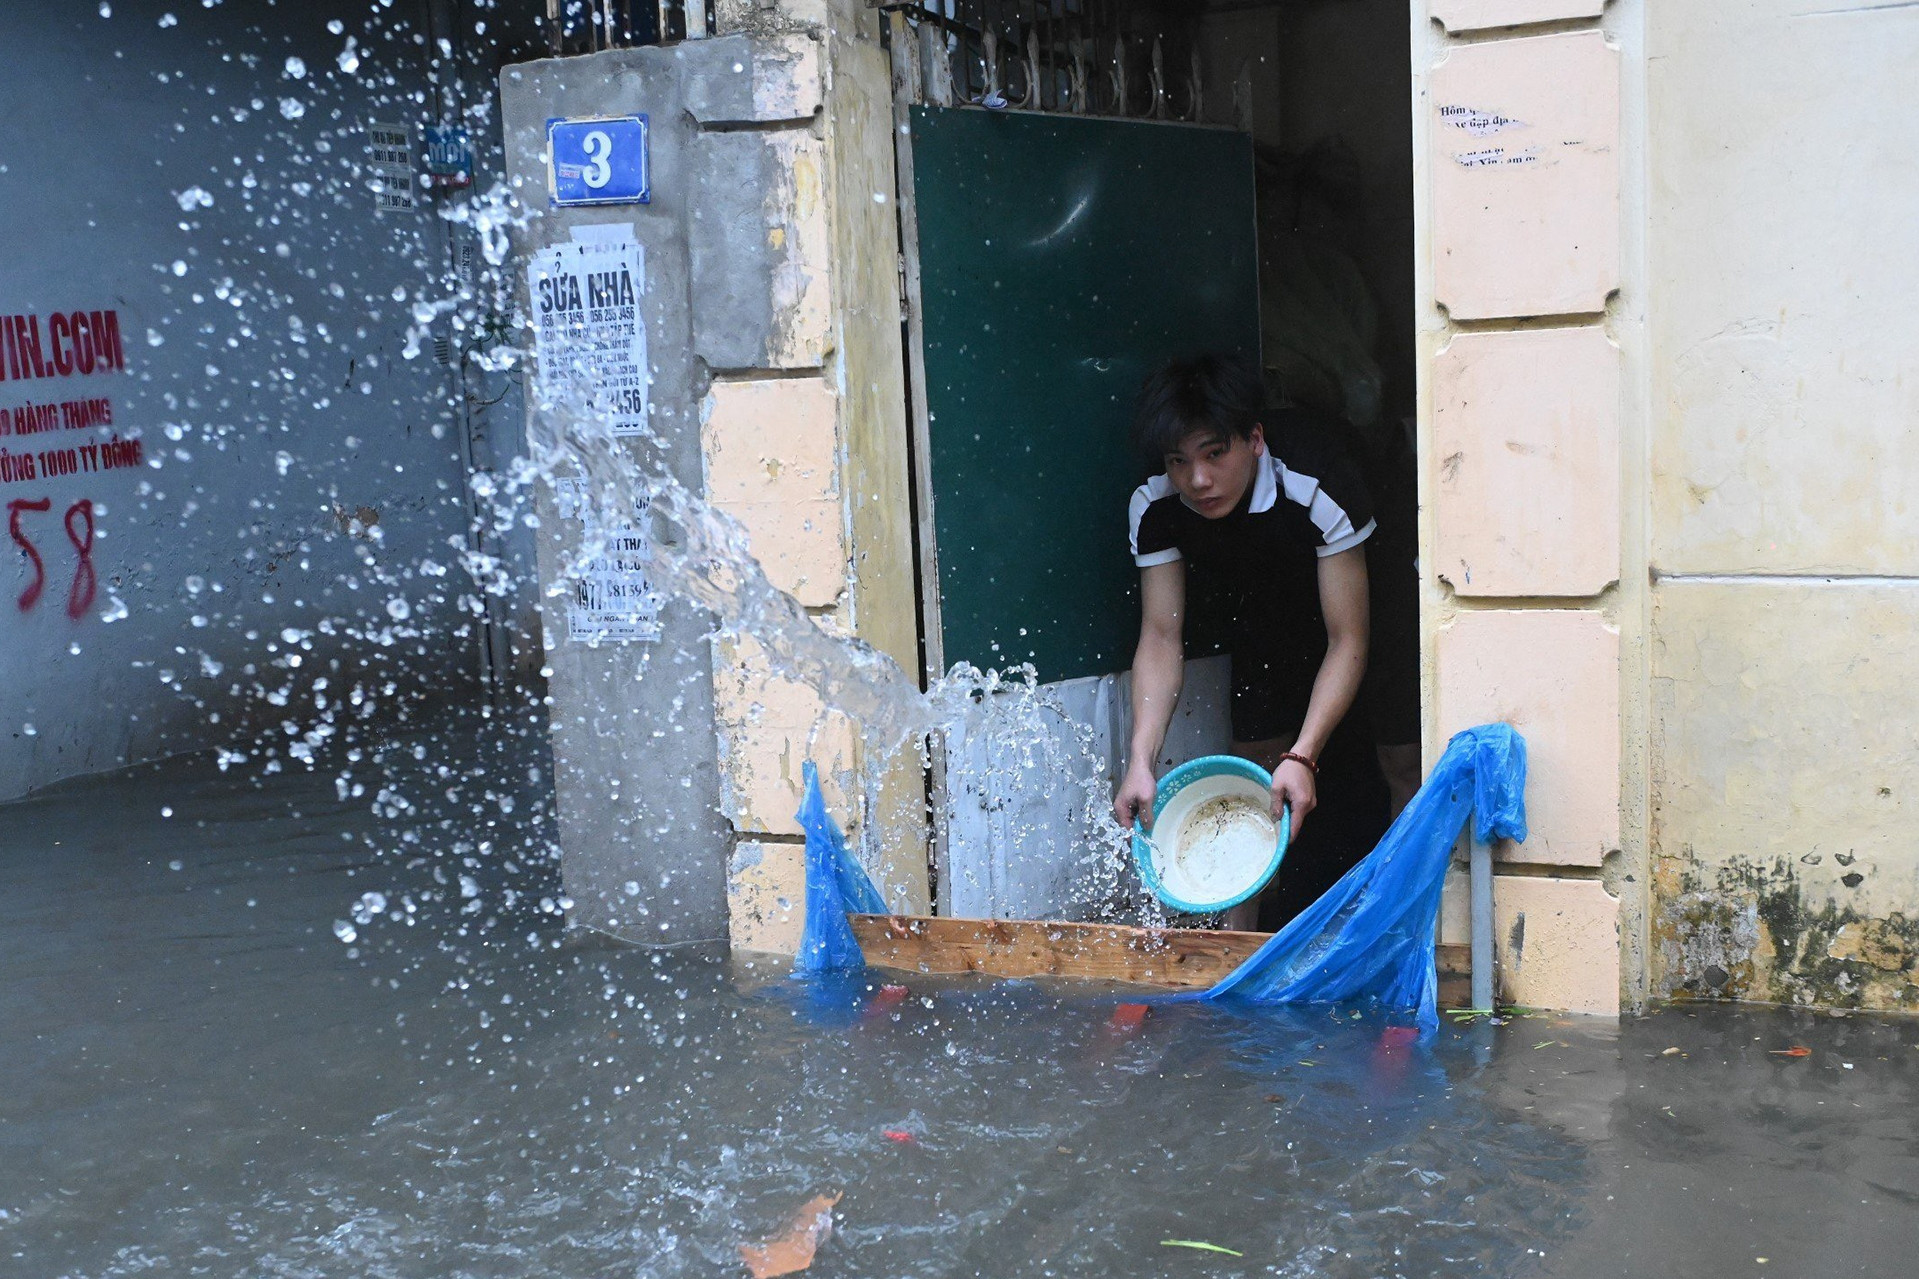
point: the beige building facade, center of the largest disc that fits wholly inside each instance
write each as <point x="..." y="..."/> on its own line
<point x="1668" y="364"/>
<point x="1666" y="375"/>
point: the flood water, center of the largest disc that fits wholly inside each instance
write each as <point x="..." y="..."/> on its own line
<point x="202" y="1078"/>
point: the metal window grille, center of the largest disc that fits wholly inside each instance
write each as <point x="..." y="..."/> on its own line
<point x="587" y="26"/>
<point x="1136" y="59"/>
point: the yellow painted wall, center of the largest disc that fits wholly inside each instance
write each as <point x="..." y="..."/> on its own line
<point x="1523" y="117"/>
<point x="1784" y="393"/>
<point x="814" y="463"/>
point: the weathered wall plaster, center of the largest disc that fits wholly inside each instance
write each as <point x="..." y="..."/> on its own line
<point x="773" y="462"/>
<point x="1784" y="530"/>
<point x="1556" y="943"/>
<point x="767" y="913"/>
<point x="1787" y="768"/>
<point x="816" y="466"/>
<point x="782" y="82"/>
<point x="1524" y="174"/>
<point x="1526" y="436"/>
<point x="1553" y="674"/>
<point x="762" y="249"/>
<point x="769" y="727"/>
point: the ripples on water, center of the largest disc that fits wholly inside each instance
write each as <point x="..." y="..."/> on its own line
<point x="203" y="1080"/>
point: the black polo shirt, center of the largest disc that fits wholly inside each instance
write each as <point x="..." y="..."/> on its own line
<point x="1260" y="565"/>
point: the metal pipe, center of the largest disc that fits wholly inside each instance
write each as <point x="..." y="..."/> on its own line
<point x="1481" y="874"/>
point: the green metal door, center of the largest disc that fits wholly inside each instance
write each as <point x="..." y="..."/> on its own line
<point x="1061" y="259"/>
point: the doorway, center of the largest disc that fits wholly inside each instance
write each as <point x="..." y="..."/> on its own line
<point x="1088" y="190"/>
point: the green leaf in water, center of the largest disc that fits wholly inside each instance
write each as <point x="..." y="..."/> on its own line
<point x="1199" y="1245"/>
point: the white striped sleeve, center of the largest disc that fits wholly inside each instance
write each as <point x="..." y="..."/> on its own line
<point x="1143" y="498"/>
<point x="1334" y="522"/>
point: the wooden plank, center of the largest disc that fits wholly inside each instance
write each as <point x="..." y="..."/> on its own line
<point x="1175" y="958"/>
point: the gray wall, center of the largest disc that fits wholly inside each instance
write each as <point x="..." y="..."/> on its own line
<point x="265" y="379"/>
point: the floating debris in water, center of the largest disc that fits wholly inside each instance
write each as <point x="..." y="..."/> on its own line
<point x="1199" y="1245"/>
<point x="792" y="1249"/>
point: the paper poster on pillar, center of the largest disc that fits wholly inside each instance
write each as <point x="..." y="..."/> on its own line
<point x="613" y="601"/>
<point x="589" y="332"/>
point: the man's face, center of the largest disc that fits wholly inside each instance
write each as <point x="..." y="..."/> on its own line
<point x="1212" y="470"/>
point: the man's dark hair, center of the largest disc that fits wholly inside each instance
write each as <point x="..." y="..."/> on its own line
<point x="1205" y="393"/>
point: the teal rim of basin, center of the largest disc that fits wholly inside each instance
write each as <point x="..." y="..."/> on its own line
<point x="1187" y="774"/>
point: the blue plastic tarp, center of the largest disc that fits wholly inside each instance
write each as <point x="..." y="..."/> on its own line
<point x="835" y="884"/>
<point x="1371" y="938"/>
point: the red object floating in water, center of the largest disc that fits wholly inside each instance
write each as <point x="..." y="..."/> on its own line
<point x="1398" y="1036"/>
<point x="884" y="999"/>
<point x="901" y="1137"/>
<point x="1797" y="1050"/>
<point x="1129" y="1017"/>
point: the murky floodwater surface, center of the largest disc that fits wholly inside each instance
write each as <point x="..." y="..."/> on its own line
<point x="203" y="1079"/>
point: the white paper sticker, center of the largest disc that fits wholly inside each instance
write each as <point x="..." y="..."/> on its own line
<point x="613" y="601"/>
<point x="389" y="167"/>
<point x="588" y="329"/>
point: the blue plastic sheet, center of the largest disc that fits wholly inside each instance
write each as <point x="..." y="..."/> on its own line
<point x="1371" y="938"/>
<point x="835" y="884"/>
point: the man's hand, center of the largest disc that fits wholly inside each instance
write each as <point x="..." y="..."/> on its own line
<point x="1294" y="787"/>
<point x="1135" y="796"/>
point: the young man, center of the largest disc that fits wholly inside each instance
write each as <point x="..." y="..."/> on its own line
<point x="1277" y="538"/>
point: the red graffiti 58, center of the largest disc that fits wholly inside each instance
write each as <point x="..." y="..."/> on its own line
<point x="79" y="526"/>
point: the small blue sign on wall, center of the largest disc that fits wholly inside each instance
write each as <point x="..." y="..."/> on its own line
<point x="449" y="155"/>
<point x="598" y="161"/>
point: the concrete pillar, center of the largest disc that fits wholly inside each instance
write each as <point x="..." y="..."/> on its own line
<point x="643" y="845"/>
<point x="771" y="245"/>
<point x="1528" y="613"/>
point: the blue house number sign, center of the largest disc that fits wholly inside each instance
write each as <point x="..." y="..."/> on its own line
<point x="598" y="161"/>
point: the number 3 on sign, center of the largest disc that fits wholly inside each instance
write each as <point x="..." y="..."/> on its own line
<point x="599" y="160"/>
<point x="598" y="147"/>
